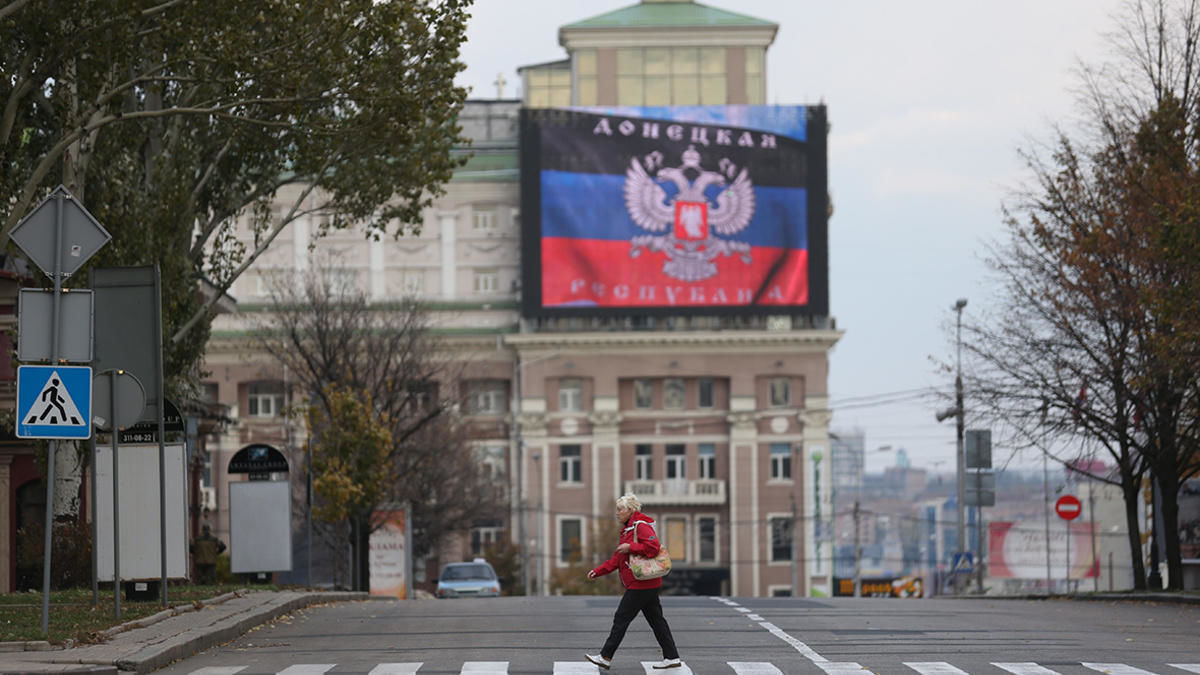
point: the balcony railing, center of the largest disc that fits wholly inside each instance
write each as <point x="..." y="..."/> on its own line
<point x="705" y="491"/>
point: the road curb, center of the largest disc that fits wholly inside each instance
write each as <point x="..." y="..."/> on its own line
<point x="178" y="647"/>
<point x="1164" y="598"/>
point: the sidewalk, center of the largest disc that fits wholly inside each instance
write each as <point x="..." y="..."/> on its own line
<point x="175" y="633"/>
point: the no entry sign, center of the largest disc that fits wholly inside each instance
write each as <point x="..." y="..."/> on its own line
<point x="1068" y="507"/>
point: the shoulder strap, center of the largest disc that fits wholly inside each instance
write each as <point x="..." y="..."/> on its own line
<point x="643" y="522"/>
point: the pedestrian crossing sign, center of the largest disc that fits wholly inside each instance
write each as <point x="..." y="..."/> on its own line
<point x="54" y="402"/>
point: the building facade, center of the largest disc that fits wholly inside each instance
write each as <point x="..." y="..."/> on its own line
<point x="718" y="423"/>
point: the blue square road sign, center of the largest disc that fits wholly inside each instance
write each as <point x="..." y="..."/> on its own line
<point x="54" y="402"/>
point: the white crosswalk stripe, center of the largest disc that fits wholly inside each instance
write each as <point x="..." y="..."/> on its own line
<point x="1116" y="669"/>
<point x="575" y="668"/>
<point x="485" y="668"/>
<point x="841" y="667"/>
<point x="648" y="666"/>
<point x="935" y="668"/>
<point x="396" y="669"/>
<point x="754" y="668"/>
<point x="1025" y="669"/>
<point x="738" y="668"/>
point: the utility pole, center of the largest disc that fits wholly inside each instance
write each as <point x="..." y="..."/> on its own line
<point x="959" y="429"/>
<point x="857" y="553"/>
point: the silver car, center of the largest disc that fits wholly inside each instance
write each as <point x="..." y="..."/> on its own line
<point x="474" y="579"/>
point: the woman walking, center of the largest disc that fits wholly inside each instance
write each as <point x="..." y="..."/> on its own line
<point x="638" y="537"/>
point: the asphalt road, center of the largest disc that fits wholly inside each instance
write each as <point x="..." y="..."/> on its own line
<point x="749" y="636"/>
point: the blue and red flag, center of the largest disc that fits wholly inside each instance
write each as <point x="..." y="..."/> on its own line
<point x="669" y="208"/>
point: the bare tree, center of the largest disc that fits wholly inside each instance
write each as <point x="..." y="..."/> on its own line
<point x="330" y="336"/>
<point x="1097" y="338"/>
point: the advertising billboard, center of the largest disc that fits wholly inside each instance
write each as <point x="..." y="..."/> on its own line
<point x="674" y="210"/>
<point x="389" y="545"/>
<point x="1018" y="550"/>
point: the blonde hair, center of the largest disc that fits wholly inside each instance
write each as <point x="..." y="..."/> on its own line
<point x="629" y="501"/>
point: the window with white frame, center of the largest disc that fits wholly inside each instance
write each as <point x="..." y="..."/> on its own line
<point x="265" y="399"/>
<point x="643" y="393"/>
<point x="570" y="539"/>
<point x="570" y="464"/>
<point x="413" y="282"/>
<point x="781" y="538"/>
<point x="676" y="538"/>
<point x="780" y="392"/>
<point x="492" y="459"/>
<point x="708" y="460"/>
<point x="676" y="462"/>
<point x="488" y="397"/>
<point x="570" y="394"/>
<point x="705" y="393"/>
<point x="781" y="461"/>
<point x="262" y="284"/>
<point x="484" y="219"/>
<point x="487" y="280"/>
<point x="483" y="538"/>
<point x="416" y="397"/>
<point x="706" y="539"/>
<point x="674" y="394"/>
<point x="642" y="459"/>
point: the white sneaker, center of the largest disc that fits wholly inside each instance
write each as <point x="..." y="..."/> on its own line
<point x="666" y="663"/>
<point x="605" y="663"/>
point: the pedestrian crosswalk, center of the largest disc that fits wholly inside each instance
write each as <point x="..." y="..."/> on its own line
<point x="734" y="667"/>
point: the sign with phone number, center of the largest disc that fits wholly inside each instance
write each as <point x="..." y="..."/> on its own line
<point x="897" y="587"/>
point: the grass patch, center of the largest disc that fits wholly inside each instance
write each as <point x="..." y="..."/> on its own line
<point x="72" y="615"/>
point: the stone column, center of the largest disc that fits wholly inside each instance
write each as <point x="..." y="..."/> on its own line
<point x="606" y="459"/>
<point x="536" y="447"/>
<point x="448" y="222"/>
<point x="744" y="540"/>
<point x="818" y="498"/>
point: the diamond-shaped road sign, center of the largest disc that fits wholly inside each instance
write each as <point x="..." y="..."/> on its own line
<point x="37" y="234"/>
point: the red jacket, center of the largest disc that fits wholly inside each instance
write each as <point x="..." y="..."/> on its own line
<point x="646" y="545"/>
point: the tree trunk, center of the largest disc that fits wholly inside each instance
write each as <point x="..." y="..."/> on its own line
<point x="1169" y="485"/>
<point x="363" y="546"/>
<point x="68" y="475"/>
<point x="1133" y="525"/>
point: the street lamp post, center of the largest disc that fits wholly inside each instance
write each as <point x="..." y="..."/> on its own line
<point x="958" y="432"/>
<point x="958" y="413"/>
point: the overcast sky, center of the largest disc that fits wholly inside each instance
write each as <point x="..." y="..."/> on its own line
<point x="929" y="102"/>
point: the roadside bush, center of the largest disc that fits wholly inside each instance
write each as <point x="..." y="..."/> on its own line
<point x="71" y="565"/>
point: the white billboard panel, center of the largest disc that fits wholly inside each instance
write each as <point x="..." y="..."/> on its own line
<point x="141" y="548"/>
<point x="260" y="526"/>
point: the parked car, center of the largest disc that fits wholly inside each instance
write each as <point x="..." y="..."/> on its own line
<point x="474" y="579"/>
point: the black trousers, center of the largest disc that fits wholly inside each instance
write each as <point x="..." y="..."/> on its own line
<point x="644" y="600"/>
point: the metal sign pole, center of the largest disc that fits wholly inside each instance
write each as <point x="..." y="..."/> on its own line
<point x="1068" y="525"/>
<point x="112" y="383"/>
<point x="162" y="435"/>
<point x="56" y="304"/>
<point x="95" y="523"/>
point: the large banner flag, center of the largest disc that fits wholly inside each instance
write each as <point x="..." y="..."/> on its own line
<point x="669" y="208"/>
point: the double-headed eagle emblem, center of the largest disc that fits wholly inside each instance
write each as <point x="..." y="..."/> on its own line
<point x="689" y="219"/>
